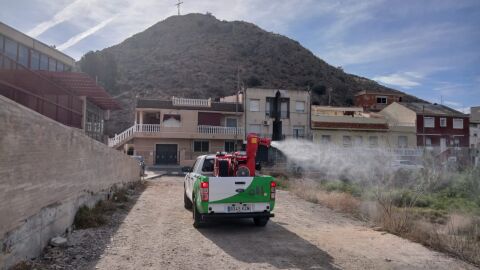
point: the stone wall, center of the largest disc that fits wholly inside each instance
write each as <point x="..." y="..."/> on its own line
<point x="48" y="170"/>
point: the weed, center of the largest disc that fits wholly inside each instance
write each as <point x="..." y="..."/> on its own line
<point x="90" y="217"/>
<point x="120" y="195"/>
<point x="21" y="266"/>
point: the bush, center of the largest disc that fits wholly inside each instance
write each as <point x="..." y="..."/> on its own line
<point x="341" y="186"/>
<point x="93" y="217"/>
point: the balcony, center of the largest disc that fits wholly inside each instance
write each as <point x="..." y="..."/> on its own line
<point x="163" y="132"/>
<point x="219" y="130"/>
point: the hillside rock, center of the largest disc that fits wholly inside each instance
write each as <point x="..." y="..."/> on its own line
<point x="197" y="56"/>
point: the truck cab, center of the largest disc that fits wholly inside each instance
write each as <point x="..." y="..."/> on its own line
<point x="214" y="197"/>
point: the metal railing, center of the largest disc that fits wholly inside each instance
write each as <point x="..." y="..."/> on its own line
<point x="39" y="93"/>
<point x="156" y="128"/>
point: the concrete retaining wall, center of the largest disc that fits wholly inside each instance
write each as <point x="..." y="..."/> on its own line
<point x="48" y="170"/>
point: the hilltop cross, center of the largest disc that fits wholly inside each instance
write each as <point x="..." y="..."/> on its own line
<point x="178" y="6"/>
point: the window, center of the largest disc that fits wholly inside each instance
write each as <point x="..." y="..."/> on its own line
<point x="300" y="106"/>
<point x="43" y="62"/>
<point x="52" y="64"/>
<point x="326" y="139"/>
<point x="358" y="141"/>
<point x="402" y="142"/>
<point x="59" y="66"/>
<point x="196" y="165"/>
<point x="200" y="146"/>
<point x="429" y="122"/>
<point x="254" y="128"/>
<point x="208" y="165"/>
<point x="1" y="43"/>
<point x="269" y="106"/>
<point x="169" y="120"/>
<point x="298" y="131"/>
<point x="231" y="122"/>
<point x="347" y="141"/>
<point x="284" y="108"/>
<point x="443" y="122"/>
<point x="23" y="55"/>
<point x="381" y="100"/>
<point x="229" y="146"/>
<point x="34" y="60"/>
<point x="456" y="142"/>
<point x="254" y="105"/>
<point x="428" y="141"/>
<point x="1" y="50"/>
<point x="11" y="49"/>
<point x="458" y="123"/>
<point x="373" y="141"/>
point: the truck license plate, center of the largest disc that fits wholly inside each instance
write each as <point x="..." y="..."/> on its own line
<point x="239" y="208"/>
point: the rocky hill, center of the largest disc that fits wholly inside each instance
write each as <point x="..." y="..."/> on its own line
<point x="196" y="55"/>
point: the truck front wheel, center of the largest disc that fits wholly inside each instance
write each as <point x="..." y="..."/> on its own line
<point x="260" y="221"/>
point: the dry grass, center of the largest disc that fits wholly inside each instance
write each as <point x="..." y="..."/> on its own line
<point x="311" y="192"/>
<point x="460" y="236"/>
<point x="456" y="234"/>
<point x="97" y="216"/>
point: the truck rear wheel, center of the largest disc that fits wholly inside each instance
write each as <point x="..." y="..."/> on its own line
<point x="186" y="201"/>
<point x="197" y="219"/>
<point x="260" y="221"/>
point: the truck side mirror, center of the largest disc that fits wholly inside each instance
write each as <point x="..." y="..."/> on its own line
<point x="186" y="169"/>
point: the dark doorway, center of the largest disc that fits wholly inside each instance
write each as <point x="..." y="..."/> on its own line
<point x="165" y="154"/>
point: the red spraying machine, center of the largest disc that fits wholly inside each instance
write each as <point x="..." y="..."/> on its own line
<point x="240" y="163"/>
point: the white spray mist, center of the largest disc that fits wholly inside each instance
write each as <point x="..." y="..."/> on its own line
<point x="333" y="162"/>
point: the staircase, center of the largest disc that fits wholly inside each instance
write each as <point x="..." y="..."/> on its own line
<point x="131" y="131"/>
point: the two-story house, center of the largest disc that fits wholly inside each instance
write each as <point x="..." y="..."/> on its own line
<point x="293" y="107"/>
<point x="178" y="130"/>
<point x="437" y="126"/>
<point x="348" y="127"/>
<point x="375" y="101"/>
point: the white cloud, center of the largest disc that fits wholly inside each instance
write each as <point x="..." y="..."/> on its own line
<point x="404" y="80"/>
<point x="393" y="45"/>
<point x="63" y="15"/>
<point x="77" y="38"/>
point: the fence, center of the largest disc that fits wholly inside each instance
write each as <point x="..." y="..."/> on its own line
<point x="39" y="93"/>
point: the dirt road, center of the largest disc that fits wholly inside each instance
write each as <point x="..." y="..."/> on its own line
<point x="158" y="234"/>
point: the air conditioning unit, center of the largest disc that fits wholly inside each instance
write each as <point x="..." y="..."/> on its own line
<point x="265" y="122"/>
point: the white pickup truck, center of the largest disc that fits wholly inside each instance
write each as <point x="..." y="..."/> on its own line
<point x="213" y="197"/>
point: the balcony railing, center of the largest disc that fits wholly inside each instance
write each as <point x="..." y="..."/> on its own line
<point x="219" y="130"/>
<point x="156" y="128"/>
<point x="149" y="128"/>
<point x="128" y="133"/>
<point x="191" y="102"/>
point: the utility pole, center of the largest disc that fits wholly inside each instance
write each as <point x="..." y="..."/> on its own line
<point x="178" y="6"/>
<point x="329" y="95"/>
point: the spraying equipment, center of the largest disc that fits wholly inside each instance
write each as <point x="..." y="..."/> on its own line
<point x="225" y="185"/>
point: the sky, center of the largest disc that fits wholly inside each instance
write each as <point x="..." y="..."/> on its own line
<point x="428" y="48"/>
